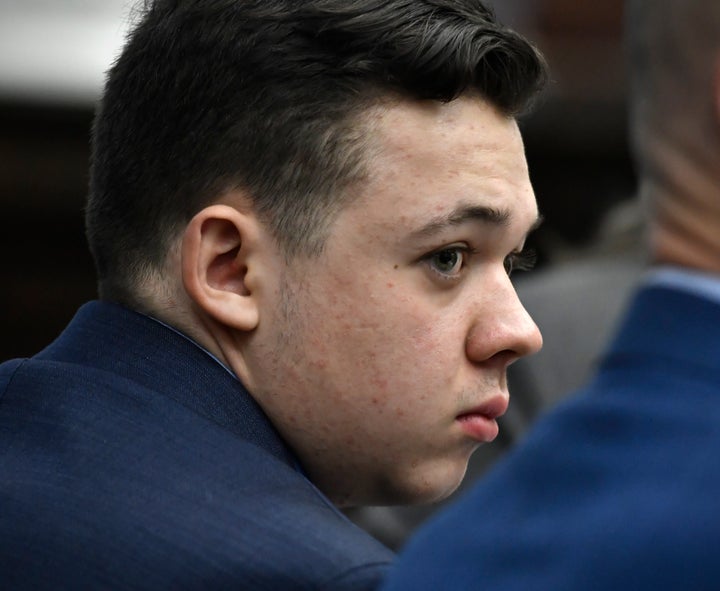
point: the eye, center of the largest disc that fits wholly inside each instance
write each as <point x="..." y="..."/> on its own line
<point x="520" y="261"/>
<point x="449" y="261"/>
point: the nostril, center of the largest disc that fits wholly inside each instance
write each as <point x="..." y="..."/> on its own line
<point x="498" y="361"/>
<point x="505" y="357"/>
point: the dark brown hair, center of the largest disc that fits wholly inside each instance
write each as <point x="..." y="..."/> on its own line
<point x="209" y="95"/>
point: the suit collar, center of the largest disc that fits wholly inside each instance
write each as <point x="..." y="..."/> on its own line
<point x="671" y="326"/>
<point x="701" y="283"/>
<point x="115" y="339"/>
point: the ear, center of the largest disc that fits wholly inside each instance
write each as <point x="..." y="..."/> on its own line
<point x="218" y="253"/>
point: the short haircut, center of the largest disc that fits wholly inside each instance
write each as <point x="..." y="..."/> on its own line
<point x="672" y="48"/>
<point x="268" y="96"/>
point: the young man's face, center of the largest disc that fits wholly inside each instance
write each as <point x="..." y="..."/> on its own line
<point x="383" y="365"/>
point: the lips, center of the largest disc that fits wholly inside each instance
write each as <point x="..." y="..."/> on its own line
<point x="480" y="422"/>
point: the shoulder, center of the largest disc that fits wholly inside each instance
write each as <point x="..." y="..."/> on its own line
<point x="108" y="481"/>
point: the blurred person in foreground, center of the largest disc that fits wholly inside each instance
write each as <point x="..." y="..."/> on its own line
<point x="303" y="215"/>
<point x="618" y="488"/>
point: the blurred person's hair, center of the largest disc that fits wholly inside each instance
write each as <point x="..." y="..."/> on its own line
<point x="672" y="48"/>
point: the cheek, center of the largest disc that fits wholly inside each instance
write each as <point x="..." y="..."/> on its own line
<point x="412" y="352"/>
<point x="381" y="337"/>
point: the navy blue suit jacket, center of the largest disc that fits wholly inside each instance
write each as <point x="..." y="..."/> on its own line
<point x="130" y="459"/>
<point x="618" y="489"/>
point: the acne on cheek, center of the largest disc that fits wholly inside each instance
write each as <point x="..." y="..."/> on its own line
<point x="380" y="385"/>
<point x="379" y="403"/>
<point x="426" y="345"/>
<point x="319" y="363"/>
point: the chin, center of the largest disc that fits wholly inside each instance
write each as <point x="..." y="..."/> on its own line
<point x="425" y="484"/>
<point x="431" y="488"/>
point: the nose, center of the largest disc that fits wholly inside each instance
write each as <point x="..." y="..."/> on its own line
<point x="503" y="330"/>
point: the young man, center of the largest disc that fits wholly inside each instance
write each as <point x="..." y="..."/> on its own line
<point x="618" y="489"/>
<point x="303" y="216"/>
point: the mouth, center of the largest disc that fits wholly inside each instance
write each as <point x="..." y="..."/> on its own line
<point x="480" y="423"/>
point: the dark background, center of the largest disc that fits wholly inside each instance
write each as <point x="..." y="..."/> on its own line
<point x="575" y="140"/>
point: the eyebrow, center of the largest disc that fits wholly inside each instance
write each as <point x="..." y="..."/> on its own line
<point x="469" y="213"/>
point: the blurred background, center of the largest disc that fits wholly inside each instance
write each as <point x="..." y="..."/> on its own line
<point x="53" y="54"/>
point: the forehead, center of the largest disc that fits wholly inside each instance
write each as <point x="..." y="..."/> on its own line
<point x="426" y="158"/>
<point x="466" y="120"/>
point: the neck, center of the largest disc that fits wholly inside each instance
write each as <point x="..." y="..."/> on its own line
<point x="683" y="194"/>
